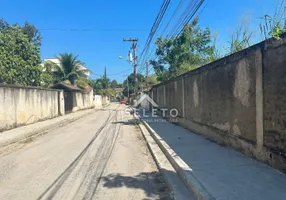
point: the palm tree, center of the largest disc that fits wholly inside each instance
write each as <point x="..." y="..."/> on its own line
<point x="69" y="68"/>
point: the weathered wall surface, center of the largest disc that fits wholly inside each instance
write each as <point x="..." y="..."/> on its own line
<point x="105" y="100"/>
<point x="239" y="100"/>
<point x="97" y="100"/>
<point x="61" y="101"/>
<point x="274" y="77"/>
<point x="159" y="96"/>
<point x="82" y="100"/>
<point x="26" y="105"/>
<point x="222" y="95"/>
<point x="173" y="95"/>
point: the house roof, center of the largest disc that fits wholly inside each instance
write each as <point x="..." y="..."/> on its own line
<point x="119" y="89"/>
<point x="66" y="87"/>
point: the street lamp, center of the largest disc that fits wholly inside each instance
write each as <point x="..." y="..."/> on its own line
<point x="128" y="60"/>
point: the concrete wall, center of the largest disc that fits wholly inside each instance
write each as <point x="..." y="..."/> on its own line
<point x="97" y="101"/>
<point x="222" y="95"/>
<point x="239" y="100"/>
<point x="274" y="76"/>
<point x="82" y="100"/>
<point x="26" y="105"/>
<point x="105" y="100"/>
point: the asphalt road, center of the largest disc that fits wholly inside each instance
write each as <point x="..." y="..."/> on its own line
<point x="101" y="156"/>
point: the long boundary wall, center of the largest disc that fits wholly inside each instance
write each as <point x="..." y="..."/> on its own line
<point x="25" y="105"/>
<point x="239" y="101"/>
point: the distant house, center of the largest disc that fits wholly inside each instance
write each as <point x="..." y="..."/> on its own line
<point x="57" y="61"/>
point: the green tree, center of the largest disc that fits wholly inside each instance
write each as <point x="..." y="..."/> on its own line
<point x="152" y="80"/>
<point x="70" y="68"/>
<point x="28" y="29"/>
<point x="47" y="78"/>
<point x="99" y="87"/>
<point x="109" y="92"/>
<point x="33" y="34"/>
<point x="113" y="84"/>
<point x="191" y="49"/>
<point x="20" y="61"/>
<point x="134" y="86"/>
<point x="82" y="82"/>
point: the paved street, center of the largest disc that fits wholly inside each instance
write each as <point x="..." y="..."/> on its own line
<point x="100" y="156"/>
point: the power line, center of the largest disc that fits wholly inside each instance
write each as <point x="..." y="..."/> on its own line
<point x="185" y="17"/>
<point x="149" y="53"/>
<point x="176" y="11"/>
<point x="88" y="30"/>
<point x="190" y="17"/>
<point x="121" y="72"/>
<point x="154" y="28"/>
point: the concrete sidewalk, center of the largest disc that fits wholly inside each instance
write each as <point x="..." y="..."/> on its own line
<point x="20" y="133"/>
<point x="214" y="171"/>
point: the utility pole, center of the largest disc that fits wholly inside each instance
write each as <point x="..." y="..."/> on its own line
<point x="105" y="78"/>
<point x="147" y="71"/>
<point x="284" y="15"/>
<point x="128" y="86"/>
<point x="127" y="80"/>
<point x="134" y="49"/>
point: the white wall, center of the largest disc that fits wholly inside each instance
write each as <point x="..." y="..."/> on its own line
<point x="97" y="101"/>
<point x="25" y="105"/>
<point x="83" y="100"/>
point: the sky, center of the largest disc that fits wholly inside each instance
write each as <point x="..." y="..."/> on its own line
<point x="94" y="30"/>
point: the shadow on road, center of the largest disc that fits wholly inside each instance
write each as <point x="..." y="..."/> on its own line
<point x="141" y="181"/>
<point x="129" y="122"/>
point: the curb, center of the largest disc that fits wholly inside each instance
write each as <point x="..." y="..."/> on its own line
<point x="154" y="156"/>
<point x="177" y="188"/>
<point x="45" y="128"/>
<point x="183" y="170"/>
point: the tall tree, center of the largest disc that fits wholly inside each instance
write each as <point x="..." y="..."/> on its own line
<point x="33" y="34"/>
<point x="152" y="80"/>
<point x="70" y="68"/>
<point x="132" y="85"/>
<point x="28" y="29"/>
<point x="191" y="49"/>
<point x="113" y="84"/>
<point x="99" y="87"/>
<point x="20" y="61"/>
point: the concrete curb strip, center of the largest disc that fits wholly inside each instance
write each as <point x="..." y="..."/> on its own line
<point x="8" y="139"/>
<point x="177" y="188"/>
<point x="154" y="156"/>
<point x="183" y="170"/>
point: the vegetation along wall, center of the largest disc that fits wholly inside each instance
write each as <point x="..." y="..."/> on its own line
<point x="239" y="101"/>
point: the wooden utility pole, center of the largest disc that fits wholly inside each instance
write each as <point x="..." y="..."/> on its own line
<point x="147" y="71"/>
<point x="105" y="78"/>
<point x="128" y="86"/>
<point x="134" y="50"/>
